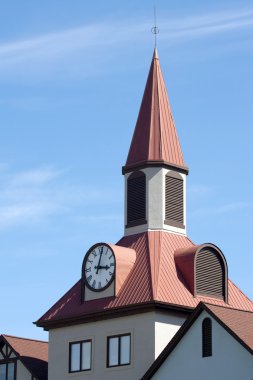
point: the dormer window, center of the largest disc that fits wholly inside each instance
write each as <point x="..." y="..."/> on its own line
<point x="136" y="199"/>
<point x="210" y="273"/>
<point x="174" y="199"/>
<point x="204" y="270"/>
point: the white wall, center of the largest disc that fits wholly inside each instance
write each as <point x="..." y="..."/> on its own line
<point x="166" y="326"/>
<point x="143" y="328"/>
<point x="229" y="360"/>
<point x="155" y="206"/>
<point x="22" y="372"/>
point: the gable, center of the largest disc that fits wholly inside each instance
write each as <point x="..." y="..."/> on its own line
<point x="29" y="355"/>
<point x="6" y="351"/>
<point x="229" y="359"/>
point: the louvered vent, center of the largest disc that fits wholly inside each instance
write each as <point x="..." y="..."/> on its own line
<point x="136" y="199"/>
<point x="210" y="273"/>
<point x="174" y="199"/>
<point x="206" y="337"/>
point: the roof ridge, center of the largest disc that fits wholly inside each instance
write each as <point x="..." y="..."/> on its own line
<point x="227" y="307"/>
<point x="19" y="337"/>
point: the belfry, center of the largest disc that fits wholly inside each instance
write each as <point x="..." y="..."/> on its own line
<point x="155" y="171"/>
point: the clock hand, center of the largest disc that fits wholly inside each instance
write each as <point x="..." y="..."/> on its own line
<point x="102" y="267"/>
<point x="98" y="266"/>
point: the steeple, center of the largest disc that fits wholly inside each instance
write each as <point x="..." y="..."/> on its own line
<point x="155" y="172"/>
<point x="155" y="137"/>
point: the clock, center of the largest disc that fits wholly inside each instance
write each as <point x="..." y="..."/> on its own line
<point x="99" y="267"/>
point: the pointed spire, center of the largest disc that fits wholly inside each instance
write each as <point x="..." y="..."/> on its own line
<point x="155" y="137"/>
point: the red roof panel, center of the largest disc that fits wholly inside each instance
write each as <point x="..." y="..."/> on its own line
<point x="154" y="277"/>
<point x="238" y="321"/>
<point x="155" y="136"/>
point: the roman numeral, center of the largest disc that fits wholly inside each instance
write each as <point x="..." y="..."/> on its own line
<point x="99" y="285"/>
<point x="110" y="273"/>
<point x="87" y="270"/>
<point x="94" y="284"/>
<point x="110" y="256"/>
<point x="112" y="265"/>
<point x="89" y="278"/>
<point x="94" y="253"/>
<point x="90" y="261"/>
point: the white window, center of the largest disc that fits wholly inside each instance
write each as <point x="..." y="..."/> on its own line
<point x="118" y="350"/>
<point x="80" y="356"/>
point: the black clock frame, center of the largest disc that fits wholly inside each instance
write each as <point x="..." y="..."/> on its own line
<point x="84" y="280"/>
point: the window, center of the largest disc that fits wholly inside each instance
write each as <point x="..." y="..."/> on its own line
<point x="80" y="356"/>
<point x="8" y="371"/>
<point x="136" y="199"/>
<point x="174" y="199"/>
<point x="210" y="278"/>
<point x="118" y="350"/>
<point x="206" y="337"/>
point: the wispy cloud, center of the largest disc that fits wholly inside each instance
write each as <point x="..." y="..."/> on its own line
<point x="100" y="218"/>
<point x="44" y="53"/>
<point x="32" y="196"/>
<point x="34" y="177"/>
<point x="199" y="190"/>
<point x="207" y="24"/>
<point x="223" y="209"/>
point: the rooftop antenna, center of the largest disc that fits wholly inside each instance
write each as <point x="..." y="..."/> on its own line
<point x="155" y="29"/>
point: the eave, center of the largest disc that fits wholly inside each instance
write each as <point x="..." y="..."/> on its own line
<point x="112" y="313"/>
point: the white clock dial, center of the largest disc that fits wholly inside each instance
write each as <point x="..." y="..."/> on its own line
<point x="99" y="267"/>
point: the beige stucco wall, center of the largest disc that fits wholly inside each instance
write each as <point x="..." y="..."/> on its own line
<point x="229" y="360"/>
<point x="141" y="326"/>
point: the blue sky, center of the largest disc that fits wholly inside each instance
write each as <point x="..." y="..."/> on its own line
<point x="72" y="75"/>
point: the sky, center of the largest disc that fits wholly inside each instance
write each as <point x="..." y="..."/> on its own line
<point x="72" y="75"/>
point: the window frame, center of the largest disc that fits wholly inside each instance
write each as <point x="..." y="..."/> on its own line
<point x="80" y="342"/>
<point x="119" y="336"/>
<point x="8" y="361"/>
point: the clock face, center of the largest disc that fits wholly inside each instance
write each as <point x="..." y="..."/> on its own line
<point x="99" y="267"/>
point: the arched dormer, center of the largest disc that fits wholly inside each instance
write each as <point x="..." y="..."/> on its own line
<point x="204" y="270"/>
<point x="210" y="272"/>
<point x="136" y="199"/>
<point x="174" y="199"/>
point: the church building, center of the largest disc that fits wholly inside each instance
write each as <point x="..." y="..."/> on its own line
<point x="154" y="304"/>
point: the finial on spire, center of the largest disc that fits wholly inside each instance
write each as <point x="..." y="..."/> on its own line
<point x="155" y="29"/>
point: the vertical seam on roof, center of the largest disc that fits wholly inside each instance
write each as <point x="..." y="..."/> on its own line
<point x="159" y="110"/>
<point x="151" y="126"/>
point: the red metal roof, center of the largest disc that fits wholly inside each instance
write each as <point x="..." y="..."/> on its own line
<point x="238" y="321"/>
<point x="155" y="136"/>
<point x="32" y="353"/>
<point x="153" y="278"/>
